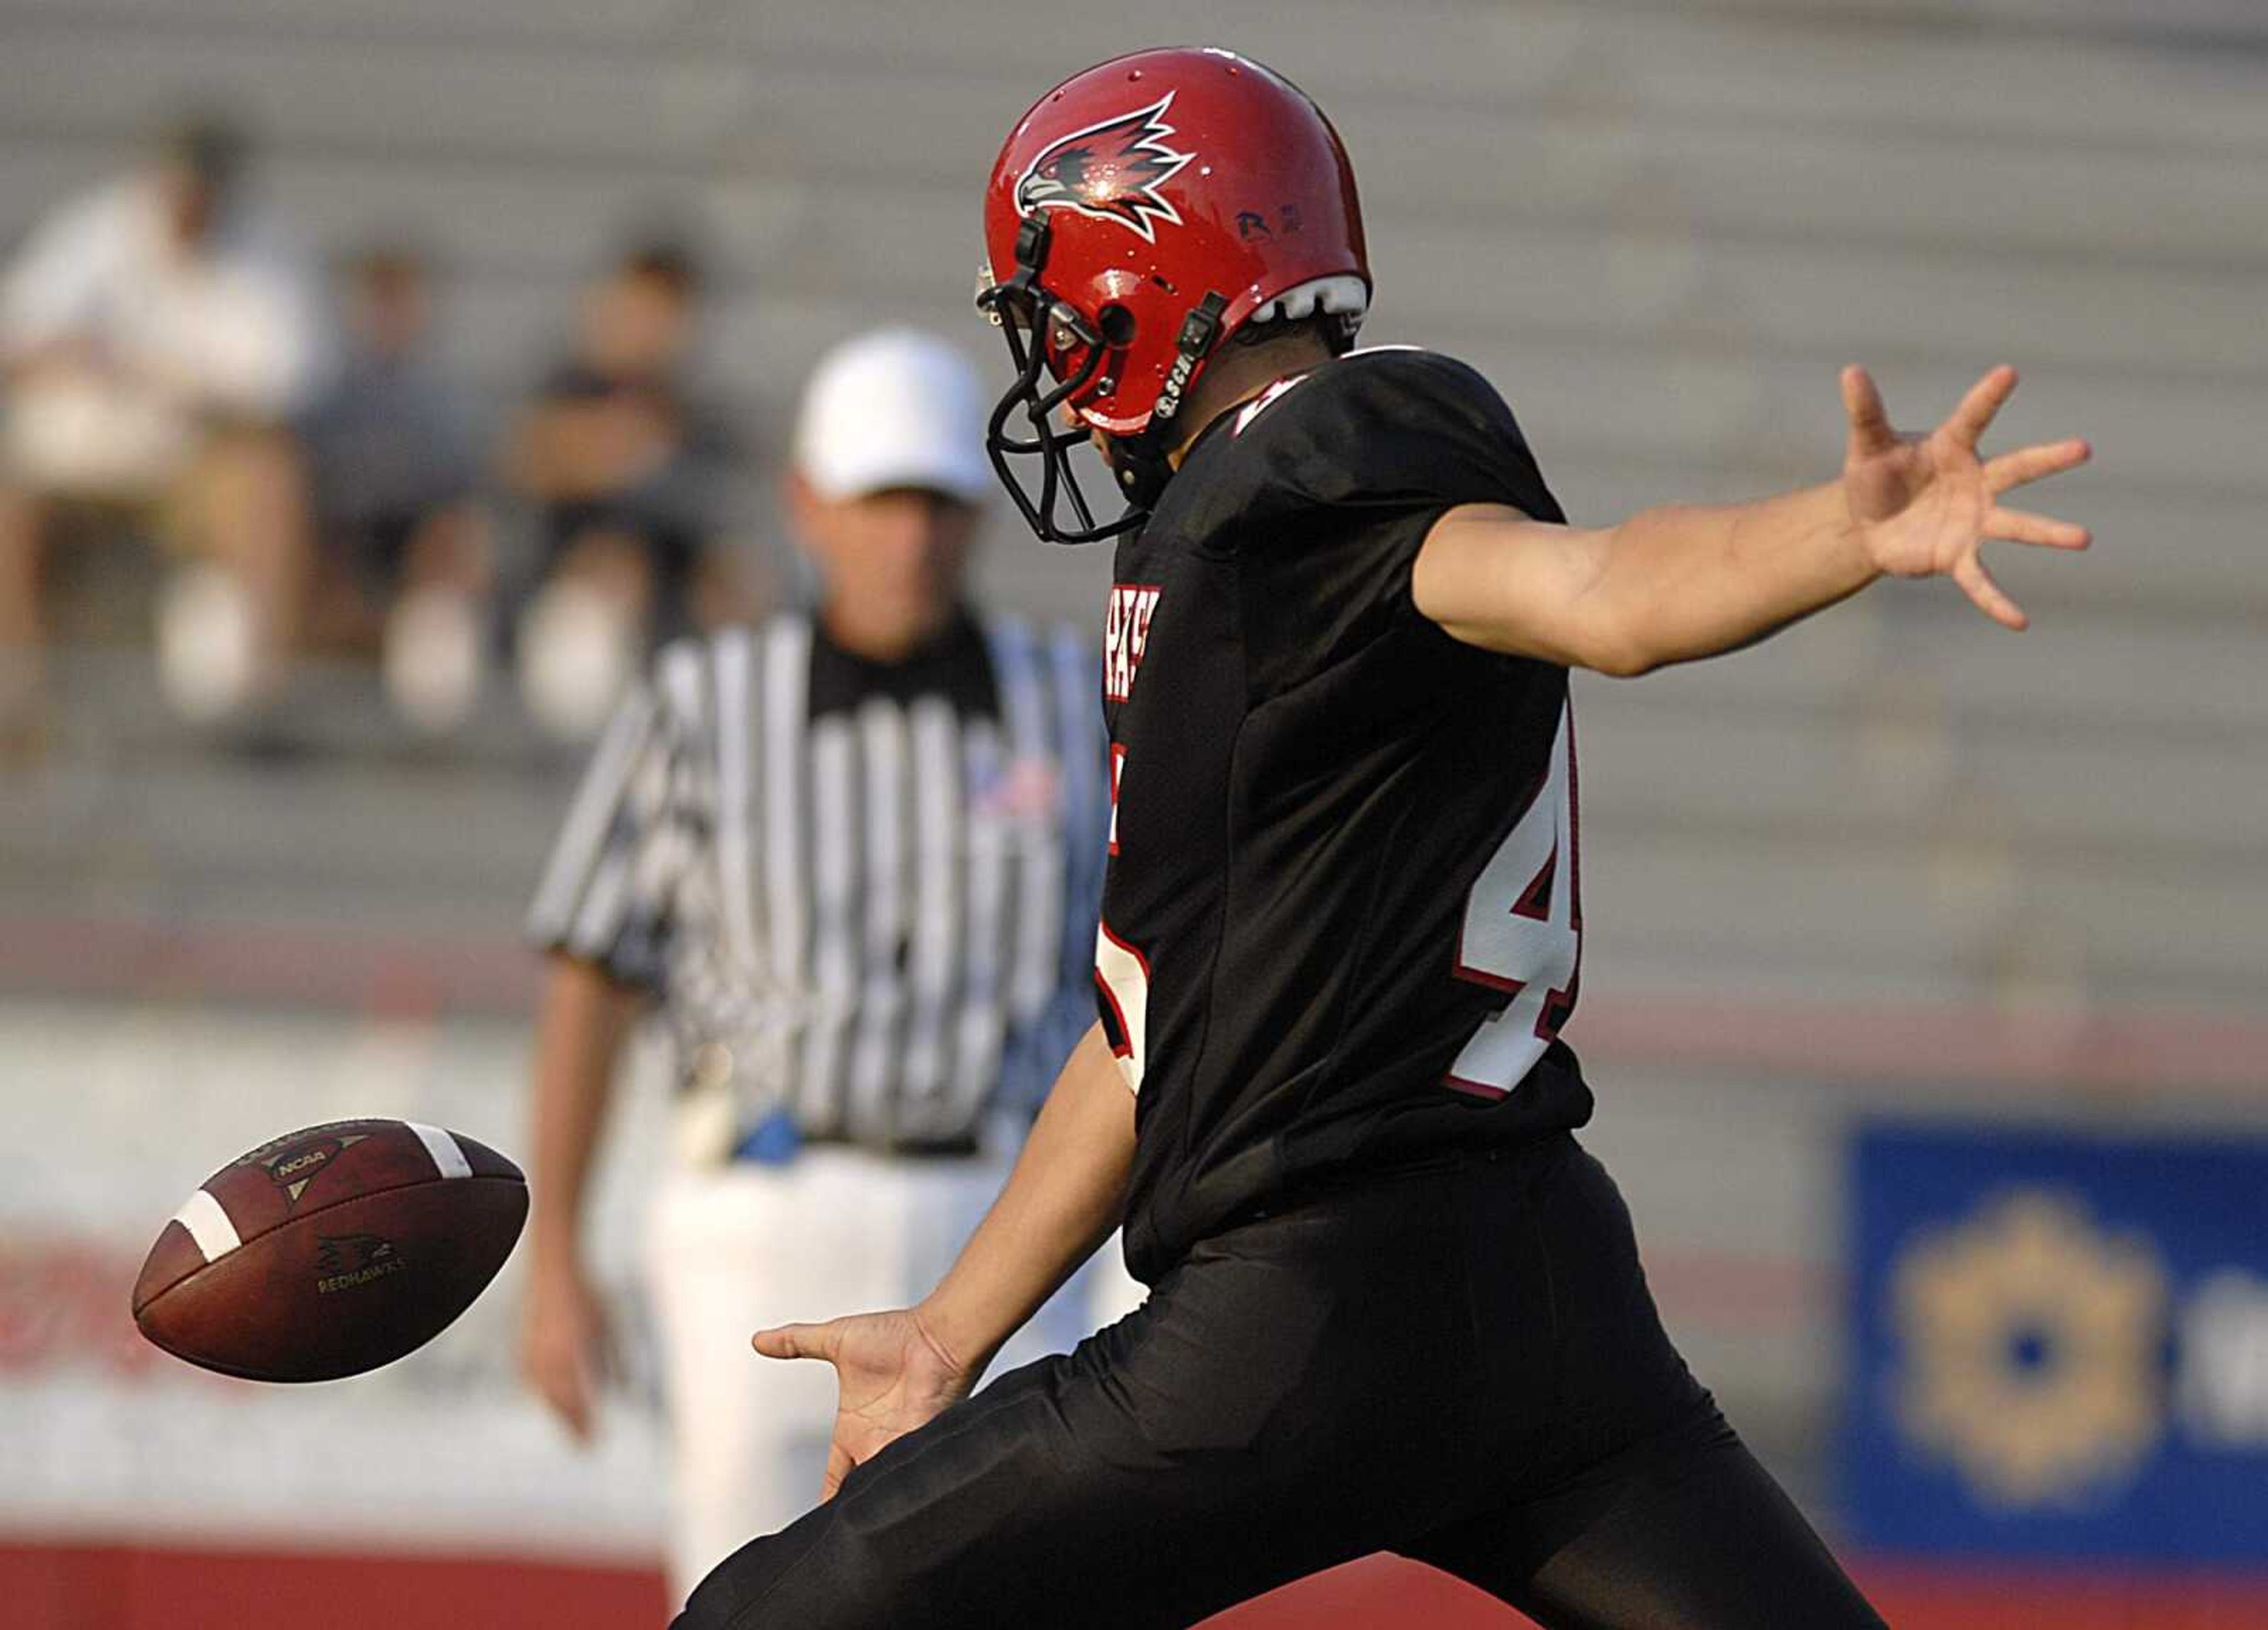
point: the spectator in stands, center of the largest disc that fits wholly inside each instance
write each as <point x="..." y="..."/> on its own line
<point x="156" y="336"/>
<point x="622" y="469"/>
<point x="405" y="557"/>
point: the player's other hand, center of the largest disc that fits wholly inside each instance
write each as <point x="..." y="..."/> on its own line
<point x="1924" y="505"/>
<point x="891" y="1374"/>
<point x="565" y="1350"/>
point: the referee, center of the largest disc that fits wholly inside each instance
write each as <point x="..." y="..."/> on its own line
<point x="850" y="859"/>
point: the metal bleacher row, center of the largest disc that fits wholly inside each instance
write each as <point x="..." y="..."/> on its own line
<point x="1660" y="228"/>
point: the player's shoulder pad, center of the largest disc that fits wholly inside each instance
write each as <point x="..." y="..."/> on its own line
<point x="1396" y="375"/>
<point x="1394" y="426"/>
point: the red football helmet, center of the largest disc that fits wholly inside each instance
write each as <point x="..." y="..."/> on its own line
<point x="1144" y="213"/>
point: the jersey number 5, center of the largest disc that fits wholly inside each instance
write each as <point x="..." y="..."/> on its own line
<point x="1123" y="975"/>
<point x="1523" y="932"/>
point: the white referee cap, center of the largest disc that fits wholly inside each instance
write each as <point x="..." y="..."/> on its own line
<point x="896" y="408"/>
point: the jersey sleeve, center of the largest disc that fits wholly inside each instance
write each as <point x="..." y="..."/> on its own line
<point x="609" y="888"/>
<point x="1342" y="475"/>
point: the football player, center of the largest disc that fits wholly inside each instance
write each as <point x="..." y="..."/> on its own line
<point x="1394" y="1304"/>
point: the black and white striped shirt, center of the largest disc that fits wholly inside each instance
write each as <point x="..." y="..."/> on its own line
<point x="863" y="895"/>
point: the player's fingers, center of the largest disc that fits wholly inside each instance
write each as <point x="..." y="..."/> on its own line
<point x="813" y="1341"/>
<point x="1870" y="422"/>
<point x="2028" y="464"/>
<point x="1985" y="399"/>
<point x="1977" y="583"/>
<point x="2020" y="526"/>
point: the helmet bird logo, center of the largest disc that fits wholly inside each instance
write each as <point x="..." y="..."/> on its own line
<point x="1111" y="172"/>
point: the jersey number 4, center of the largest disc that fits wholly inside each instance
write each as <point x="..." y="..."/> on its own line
<point x="1523" y="932"/>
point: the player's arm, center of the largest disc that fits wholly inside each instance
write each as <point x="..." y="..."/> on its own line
<point x="1682" y="582"/>
<point x="585" y="1014"/>
<point x="895" y="1370"/>
<point x="1059" y="1203"/>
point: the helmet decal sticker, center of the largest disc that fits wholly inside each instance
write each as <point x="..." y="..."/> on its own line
<point x="1111" y="171"/>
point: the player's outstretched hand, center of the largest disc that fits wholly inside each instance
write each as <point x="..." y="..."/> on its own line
<point x="891" y="1375"/>
<point x="1924" y="505"/>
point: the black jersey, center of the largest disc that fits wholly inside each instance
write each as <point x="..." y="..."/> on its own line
<point x="1341" y="922"/>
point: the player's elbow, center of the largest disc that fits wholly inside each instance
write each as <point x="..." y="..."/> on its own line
<point x="1491" y="577"/>
<point x="1618" y="656"/>
<point x="1609" y="625"/>
<point x="1607" y="636"/>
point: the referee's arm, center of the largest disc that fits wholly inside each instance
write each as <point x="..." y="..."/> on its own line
<point x="601" y="911"/>
<point x="578" y="1042"/>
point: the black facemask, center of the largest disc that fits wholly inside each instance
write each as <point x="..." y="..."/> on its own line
<point x="1025" y="313"/>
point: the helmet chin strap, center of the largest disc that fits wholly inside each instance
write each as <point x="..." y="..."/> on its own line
<point x="1143" y="463"/>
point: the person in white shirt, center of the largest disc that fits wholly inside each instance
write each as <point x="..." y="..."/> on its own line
<point x="155" y="336"/>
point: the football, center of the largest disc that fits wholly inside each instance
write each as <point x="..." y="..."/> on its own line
<point x="330" y="1252"/>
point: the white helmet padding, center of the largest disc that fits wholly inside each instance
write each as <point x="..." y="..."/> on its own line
<point x="1343" y="296"/>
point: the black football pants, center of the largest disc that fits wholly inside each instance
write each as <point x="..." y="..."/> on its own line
<point x="1458" y="1362"/>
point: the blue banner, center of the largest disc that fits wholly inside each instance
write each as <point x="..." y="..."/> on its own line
<point x="2058" y="1345"/>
